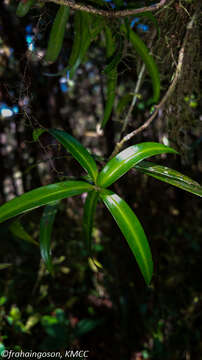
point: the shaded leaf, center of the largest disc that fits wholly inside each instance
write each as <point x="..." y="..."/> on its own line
<point x="116" y="57"/>
<point x="46" y="225"/>
<point x="42" y="196"/>
<point x="132" y="231"/>
<point x="88" y="216"/>
<point x="111" y="94"/>
<point x="148" y="60"/>
<point x="170" y="176"/>
<point x="86" y="325"/>
<point x="57" y="34"/>
<point x="82" y="40"/>
<point x="24" y="7"/>
<point x="127" y="158"/>
<point x="112" y="77"/>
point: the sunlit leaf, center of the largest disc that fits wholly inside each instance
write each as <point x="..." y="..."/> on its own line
<point x="148" y="60"/>
<point x="46" y="225"/>
<point x="88" y="216"/>
<point x="127" y="158"/>
<point x="170" y="176"/>
<point x="77" y="150"/>
<point x="42" y="196"/>
<point x="18" y="230"/>
<point x="57" y="34"/>
<point x="132" y="231"/>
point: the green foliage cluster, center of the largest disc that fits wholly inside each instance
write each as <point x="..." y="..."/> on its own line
<point x="96" y="185"/>
<point x="58" y="328"/>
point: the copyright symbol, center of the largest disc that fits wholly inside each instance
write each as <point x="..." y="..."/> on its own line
<point x="4" y="353"/>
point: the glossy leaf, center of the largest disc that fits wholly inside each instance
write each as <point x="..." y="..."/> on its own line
<point x="132" y="231"/>
<point x="18" y="230"/>
<point x="77" y="150"/>
<point x="24" y="7"/>
<point x="170" y="176"/>
<point x="148" y="60"/>
<point x="57" y="34"/>
<point x="88" y="217"/>
<point x="46" y="225"/>
<point x="127" y="158"/>
<point x="42" y="196"/>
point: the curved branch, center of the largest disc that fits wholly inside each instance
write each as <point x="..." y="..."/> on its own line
<point x="107" y="13"/>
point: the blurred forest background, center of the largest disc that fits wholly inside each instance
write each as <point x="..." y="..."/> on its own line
<point x="110" y="312"/>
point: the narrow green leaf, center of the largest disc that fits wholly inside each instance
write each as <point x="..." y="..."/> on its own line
<point x="170" y="176"/>
<point x="37" y="132"/>
<point x="46" y="225"/>
<point x="110" y="42"/>
<point x="88" y="216"/>
<point x="57" y="34"/>
<point x="42" y="196"/>
<point x="112" y="77"/>
<point x="116" y="57"/>
<point x="18" y="230"/>
<point x="127" y="158"/>
<point x="82" y="40"/>
<point x="77" y="150"/>
<point x="148" y="60"/>
<point x="24" y="7"/>
<point x="111" y="94"/>
<point x="81" y="43"/>
<point x="132" y="231"/>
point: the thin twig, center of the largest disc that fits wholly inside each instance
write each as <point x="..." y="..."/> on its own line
<point x="136" y="91"/>
<point x="137" y="87"/>
<point x="170" y="91"/>
<point x="107" y="13"/>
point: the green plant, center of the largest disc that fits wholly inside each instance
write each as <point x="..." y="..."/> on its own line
<point x="24" y="7"/>
<point x="96" y="184"/>
<point x="87" y="28"/>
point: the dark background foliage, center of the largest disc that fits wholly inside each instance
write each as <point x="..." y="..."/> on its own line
<point x="111" y="312"/>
